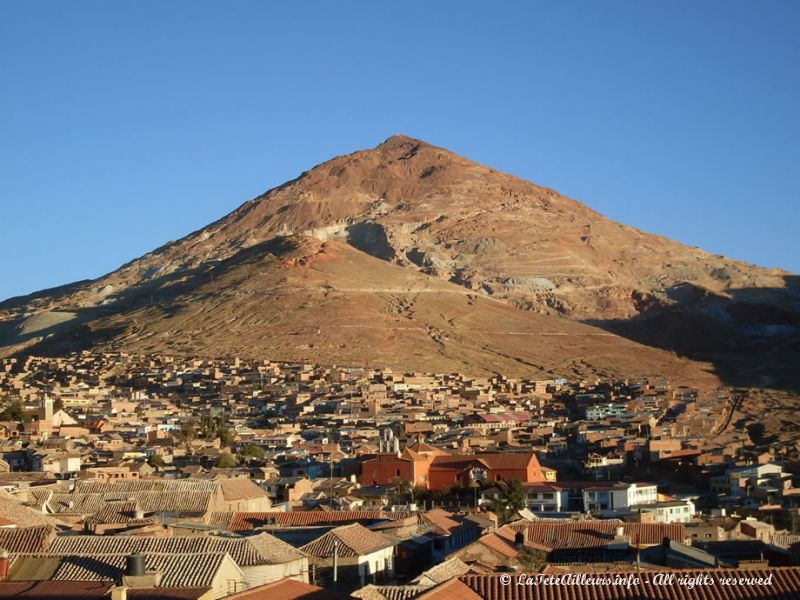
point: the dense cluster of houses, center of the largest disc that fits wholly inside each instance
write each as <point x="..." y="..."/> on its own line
<point x="126" y="475"/>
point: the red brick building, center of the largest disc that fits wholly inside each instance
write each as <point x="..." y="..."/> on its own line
<point x="436" y="469"/>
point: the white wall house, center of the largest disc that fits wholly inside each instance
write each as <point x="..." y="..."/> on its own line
<point x="355" y="554"/>
<point x="376" y="564"/>
<point x="680" y="511"/>
<point x="598" y="412"/>
<point x="618" y="496"/>
<point x="60" y="463"/>
<point x="546" y="498"/>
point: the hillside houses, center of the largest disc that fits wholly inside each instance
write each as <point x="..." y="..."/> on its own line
<point x="269" y="470"/>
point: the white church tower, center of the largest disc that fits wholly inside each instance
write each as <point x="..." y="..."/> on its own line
<point x="46" y="409"/>
<point x="388" y="444"/>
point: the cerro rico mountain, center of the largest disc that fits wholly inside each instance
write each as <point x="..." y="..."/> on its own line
<point x="412" y="257"/>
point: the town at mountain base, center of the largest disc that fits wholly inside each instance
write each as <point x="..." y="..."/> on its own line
<point x="405" y="375"/>
<point x="154" y="476"/>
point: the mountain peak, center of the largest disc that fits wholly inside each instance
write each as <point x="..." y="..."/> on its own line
<point x="435" y="217"/>
<point x="400" y="140"/>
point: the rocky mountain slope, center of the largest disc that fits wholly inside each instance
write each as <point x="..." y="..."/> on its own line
<point x="511" y="256"/>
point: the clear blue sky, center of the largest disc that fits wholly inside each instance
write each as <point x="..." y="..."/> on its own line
<point x="127" y="124"/>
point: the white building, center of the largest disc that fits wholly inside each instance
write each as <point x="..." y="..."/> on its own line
<point x="616" y="496"/>
<point x="740" y="481"/>
<point x="546" y="498"/>
<point x="357" y="555"/>
<point x="598" y="412"/>
<point x="673" y="511"/>
<point x="58" y="463"/>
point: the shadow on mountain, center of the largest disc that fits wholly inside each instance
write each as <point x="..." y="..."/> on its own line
<point x="73" y="329"/>
<point x="17" y="301"/>
<point x="370" y="237"/>
<point x="751" y="335"/>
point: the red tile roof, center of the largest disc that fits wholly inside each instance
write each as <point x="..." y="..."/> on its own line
<point x="507" y="461"/>
<point x="26" y="539"/>
<point x="188" y="593"/>
<point x="57" y="590"/>
<point x="423" y="447"/>
<point x="518" y="417"/>
<point x="592" y="534"/>
<point x="353" y="540"/>
<point x="454" y="589"/>
<point x="440" y="519"/>
<point x="261" y="549"/>
<point x="248" y="521"/>
<point x="286" y="589"/>
<point x="512" y="460"/>
<point x="549" y="536"/>
<point x="240" y="488"/>
<point x="83" y="590"/>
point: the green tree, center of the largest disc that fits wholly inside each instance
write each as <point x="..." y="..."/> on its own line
<point x="402" y="493"/>
<point x="227" y="461"/>
<point x="14" y="412"/>
<point x="186" y="433"/>
<point x="514" y="499"/>
<point x="421" y="494"/>
<point x="58" y="405"/>
<point x="226" y="435"/>
<point x="251" y="451"/>
<point x="176" y="399"/>
<point x="208" y="427"/>
<point x="516" y="496"/>
<point x="155" y="460"/>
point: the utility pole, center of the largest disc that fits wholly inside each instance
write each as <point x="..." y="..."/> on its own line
<point x="639" y="547"/>
<point x="330" y="472"/>
<point x="335" y="563"/>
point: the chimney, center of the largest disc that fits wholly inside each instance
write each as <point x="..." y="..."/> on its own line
<point x="620" y="541"/>
<point x="136" y="575"/>
<point x="519" y="540"/>
<point x="135" y="565"/>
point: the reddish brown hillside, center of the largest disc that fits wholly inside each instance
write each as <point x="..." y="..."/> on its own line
<point x="501" y="253"/>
